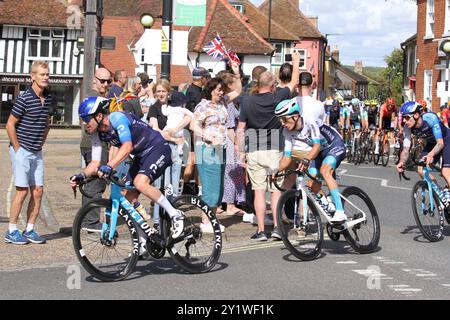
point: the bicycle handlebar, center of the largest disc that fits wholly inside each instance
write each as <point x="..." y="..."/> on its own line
<point x="287" y="173"/>
<point x="112" y="177"/>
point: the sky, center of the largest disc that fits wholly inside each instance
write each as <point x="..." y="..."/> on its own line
<point x="366" y="30"/>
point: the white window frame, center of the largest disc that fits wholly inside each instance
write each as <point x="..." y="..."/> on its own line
<point x="428" y="86"/>
<point x="283" y="50"/>
<point x="447" y="19"/>
<point x="33" y="35"/>
<point x="430" y="19"/>
<point x="239" y="7"/>
<point x="303" y="56"/>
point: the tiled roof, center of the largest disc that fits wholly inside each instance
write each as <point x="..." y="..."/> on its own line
<point x="289" y="16"/>
<point x="132" y="8"/>
<point x="352" y="74"/>
<point x="45" y="13"/>
<point x="232" y="26"/>
<point x="260" y="22"/>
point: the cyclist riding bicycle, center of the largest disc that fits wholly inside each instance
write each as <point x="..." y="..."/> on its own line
<point x="315" y="145"/>
<point x="334" y="114"/>
<point x="386" y="120"/>
<point x="152" y="154"/>
<point x="432" y="130"/>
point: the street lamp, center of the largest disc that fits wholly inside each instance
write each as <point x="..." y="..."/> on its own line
<point x="445" y="47"/>
<point x="147" y="22"/>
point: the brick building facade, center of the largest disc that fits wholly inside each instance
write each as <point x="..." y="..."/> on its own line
<point x="433" y="25"/>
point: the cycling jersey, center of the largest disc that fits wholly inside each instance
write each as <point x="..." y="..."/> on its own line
<point x="372" y="116"/>
<point x="431" y="130"/>
<point x="126" y="127"/>
<point x="445" y="115"/>
<point x="312" y="132"/>
<point x="386" y="112"/>
<point x="334" y="115"/>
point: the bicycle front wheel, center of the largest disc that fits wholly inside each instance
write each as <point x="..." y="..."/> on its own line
<point x="106" y="260"/>
<point x="365" y="236"/>
<point x="429" y="220"/>
<point x="304" y="241"/>
<point x="197" y="250"/>
<point x="385" y="154"/>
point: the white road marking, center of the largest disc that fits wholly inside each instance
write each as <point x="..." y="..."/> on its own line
<point x="346" y="262"/>
<point x="383" y="182"/>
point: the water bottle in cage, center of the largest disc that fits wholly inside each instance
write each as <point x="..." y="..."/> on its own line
<point x="325" y="203"/>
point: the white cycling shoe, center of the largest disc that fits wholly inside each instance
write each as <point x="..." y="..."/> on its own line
<point x="339" y="217"/>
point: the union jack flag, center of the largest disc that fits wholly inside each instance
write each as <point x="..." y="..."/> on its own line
<point x="233" y="57"/>
<point x="216" y="49"/>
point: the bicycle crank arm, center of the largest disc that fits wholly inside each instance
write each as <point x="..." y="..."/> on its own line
<point x="352" y="223"/>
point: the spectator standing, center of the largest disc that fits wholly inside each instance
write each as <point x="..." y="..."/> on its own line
<point x="120" y="81"/>
<point x="146" y="95"/>
<point x="234" y="178"/>
<point x="193" y="96"/>
<point x="133" y="105"/>
<point x="250" y="87"/>
<point x="210" y="129"/>
<point x="27" y="128"/>
<point x="100" y="86"/>
<point x="257" y="115"/>
<point x="157" y="119"/>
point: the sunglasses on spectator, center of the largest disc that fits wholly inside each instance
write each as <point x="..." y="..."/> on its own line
<point x="102" y="81"/>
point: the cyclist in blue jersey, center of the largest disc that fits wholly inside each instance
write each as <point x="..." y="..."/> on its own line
<point x="315" y="144"/>
<point x="152" y="154"/>
<point x="429" y="127"/>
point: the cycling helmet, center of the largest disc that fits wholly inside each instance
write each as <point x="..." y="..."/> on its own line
<point x="92" y="106"/>
<point x="390" y="101"/>
<point x="422" y="102"/>
<point x="288" y="108"/>
<point x="355" y="102"/>
<point x="411" y="107"/>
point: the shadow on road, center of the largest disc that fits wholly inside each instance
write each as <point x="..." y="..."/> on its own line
<point x="159" y="267"/>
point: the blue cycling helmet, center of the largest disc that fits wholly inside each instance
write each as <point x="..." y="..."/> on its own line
<point x="288" y="108"/>
<point x="411" y="107"/>
<point x="92" y="106"/>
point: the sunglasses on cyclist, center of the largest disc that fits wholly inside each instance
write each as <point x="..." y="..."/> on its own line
<point x="407" y="116"/>
<point x="87" y="118"/>
<point x="102" y="81"/>
<point x="285" y="119"/>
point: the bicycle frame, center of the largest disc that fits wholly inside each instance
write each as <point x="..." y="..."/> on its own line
<point x="305" y="193"/>
<point x="432" y="187"/>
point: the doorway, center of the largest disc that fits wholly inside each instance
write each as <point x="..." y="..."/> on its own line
<point x="8" y="96"/>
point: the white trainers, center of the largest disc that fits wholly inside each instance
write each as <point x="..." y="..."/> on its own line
<point x="177" y="225"/>
<point x="208" y="228"/>
<point x="339" y="217"/>
<point x="248" y="217"/>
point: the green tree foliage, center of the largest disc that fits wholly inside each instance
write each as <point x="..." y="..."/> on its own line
<point x="393" y="75"/>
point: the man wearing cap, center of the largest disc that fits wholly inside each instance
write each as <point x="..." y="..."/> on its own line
<point x="194" y="92"/>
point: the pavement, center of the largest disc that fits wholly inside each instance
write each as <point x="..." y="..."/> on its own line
<point x="62" y="159"/>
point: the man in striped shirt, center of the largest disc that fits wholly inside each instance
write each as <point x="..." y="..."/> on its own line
<point x="27" y="128"/>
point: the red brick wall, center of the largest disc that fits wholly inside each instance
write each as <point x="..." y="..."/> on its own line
<point x="427" y="50"/>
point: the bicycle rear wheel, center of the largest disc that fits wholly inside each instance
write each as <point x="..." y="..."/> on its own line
<point x="304" y="243"/>
<point x="430" y="221"/>
<point x="365" y="236"/>
<point x="195" y="251"/>
<point x="103" y="259"/>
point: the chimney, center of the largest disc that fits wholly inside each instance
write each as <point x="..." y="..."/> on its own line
<point x="314" y="20"/>
<point x="335" y="54"/>
<point x="359" y="67"/>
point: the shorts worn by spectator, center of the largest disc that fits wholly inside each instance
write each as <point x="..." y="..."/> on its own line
<point x="27" y="129"/>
